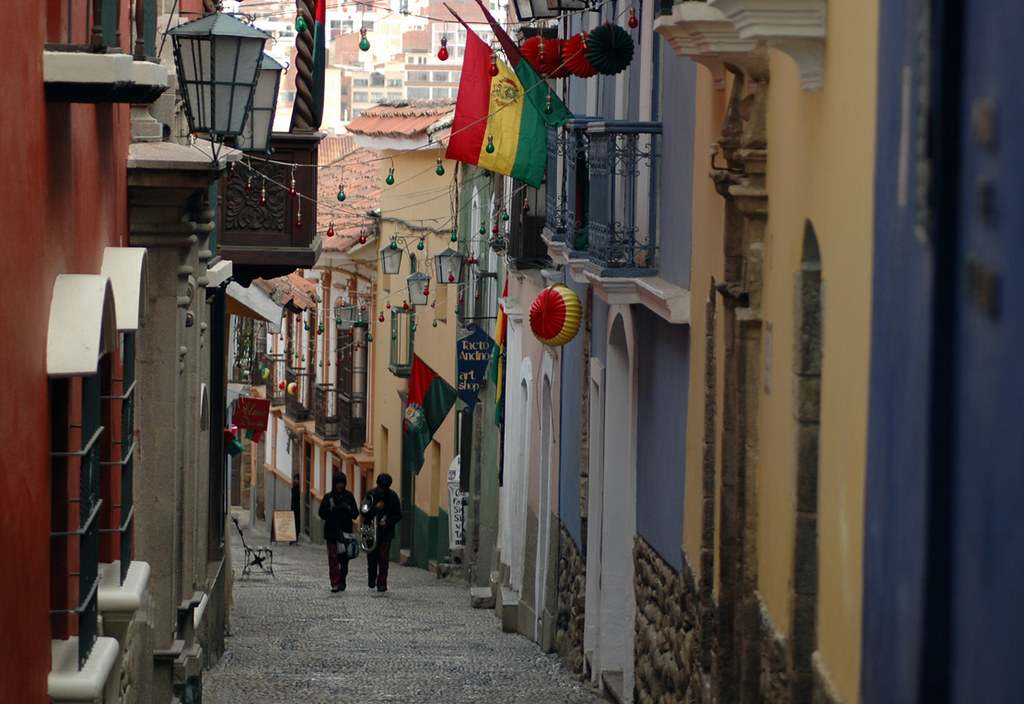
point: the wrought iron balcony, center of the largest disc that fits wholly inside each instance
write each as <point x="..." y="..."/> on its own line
<point x="296" y="405"/>
<point x="325" y="411"/>
<point x="352" y="421"/>
<point x="568" y="186"/>
<point x="88" y="65"/>
<point x="624" y="160"/>
<point x="275" y="363"/>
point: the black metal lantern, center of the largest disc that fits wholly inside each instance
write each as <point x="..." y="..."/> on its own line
<point x="528" y="10"/>
<point x="391" y="259"/>
<point x="217" y="59"/>
<point x="260" y="121"/>
<point x="419" y="284"/>
<point x="449" y="265"/>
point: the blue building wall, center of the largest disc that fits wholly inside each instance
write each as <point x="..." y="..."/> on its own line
<point x="663" y="360"/>
<point x="569" y="432"/>
<point x="678" y="119"/>
<point x="896" y="485"/>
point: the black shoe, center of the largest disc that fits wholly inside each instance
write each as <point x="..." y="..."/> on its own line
<point x="341" y="588"/>
<point x="382" y="589"/>
<point x="373" y="585"/>
<point x="336" y="589"/>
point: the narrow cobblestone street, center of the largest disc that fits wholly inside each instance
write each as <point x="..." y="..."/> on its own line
<point x="292" y="640"/>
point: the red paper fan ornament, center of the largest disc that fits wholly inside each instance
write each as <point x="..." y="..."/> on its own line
<point x="574" y="53"/>
<point x="545" y="56"/>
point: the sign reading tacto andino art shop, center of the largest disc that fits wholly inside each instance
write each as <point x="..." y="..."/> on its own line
<point x="474" y="352"/>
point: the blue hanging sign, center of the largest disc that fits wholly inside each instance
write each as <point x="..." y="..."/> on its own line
<point x="474" y="355"/>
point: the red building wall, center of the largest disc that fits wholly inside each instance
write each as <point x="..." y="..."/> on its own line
<point x="64" y="198"/>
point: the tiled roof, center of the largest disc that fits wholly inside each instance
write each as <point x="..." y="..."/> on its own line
<point x="335" y="146"/>
<point x="359" y="173"/>
<point x="291" y="290"/>
<point x="405" y="118"/>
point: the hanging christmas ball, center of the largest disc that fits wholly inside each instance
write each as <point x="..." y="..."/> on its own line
<point x="611" y="49"/>
<point x="435" y="324"/>
<point x="341" y="193"/>
<point x="574" y="53"/>
<point x="364" y="43"/>
<point x="231" y="171"/>
<point x="394" y="243"/>
<point x="380" y="318"/>
<point x="440" y="167"/>
<point x="555" y="315"/>
<point x="263" y="196"/>
<point x="248" y="185"/>
<point x="390" y="179"/>
<point x="483" y="229"/>
<point x="494" y="229"/>
<point x="330" y="230"/>
<point x="420" y="245"/>
<point x="369" y="337"/>
<point x="300" y="24"/>
<point x="281" y="386"/>
<point x="490" y="144"/>
<point x="471" y="259"/>
<point x="633" y="22"/>
<point x="504" y="215"/>
<point x="454" y="237"/>
<point x="442" y="53"/>
<point x="492" y="71"/>
<point x="362" y="238"/>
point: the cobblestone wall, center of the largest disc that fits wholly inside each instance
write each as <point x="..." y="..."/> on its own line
<point x="572" y="581"/>
<point x="667" y="665"/>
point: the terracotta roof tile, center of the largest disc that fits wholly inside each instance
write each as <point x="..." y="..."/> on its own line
<point x="334" y="146"/>
<point x="401" y="118"/>
<point x="359" y="173"/>
<point x="292" y="290"/>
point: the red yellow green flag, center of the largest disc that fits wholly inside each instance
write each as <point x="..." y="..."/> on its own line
<point x="430" y="399"/>
<point x="501" y="121"/>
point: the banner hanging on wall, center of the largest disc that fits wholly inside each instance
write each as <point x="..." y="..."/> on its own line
<point x="474" y="352"/>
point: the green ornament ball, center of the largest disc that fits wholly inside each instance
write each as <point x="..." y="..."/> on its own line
<point x="341" y="194"/>
<point x="440" y="170"/>
<point x="455" y="237"/>
<point x="364" y="44"/>
<point x="390" y="180"/>
<point x="435" y="323"/>
<point x="489" y="148"/>
<point x="300" y="24"/>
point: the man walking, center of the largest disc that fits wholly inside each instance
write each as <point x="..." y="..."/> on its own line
<point x="337" y="509"/>
<point x="383" y="504"/>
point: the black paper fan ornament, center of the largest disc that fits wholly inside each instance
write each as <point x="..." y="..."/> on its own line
<point x="611" y="48"/>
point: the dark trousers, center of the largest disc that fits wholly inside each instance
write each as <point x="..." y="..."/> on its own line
<point x="337" y="560"/>
<point x="377" y="565"/>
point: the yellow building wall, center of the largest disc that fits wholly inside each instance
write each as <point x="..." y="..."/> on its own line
<point x="821" y="168"/>
<point x="417" y="204"/>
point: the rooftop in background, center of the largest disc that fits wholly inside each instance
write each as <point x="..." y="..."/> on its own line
<point x="406" y="119"/>
<point x="358" y="171"/>
<point x="292" y="291"/>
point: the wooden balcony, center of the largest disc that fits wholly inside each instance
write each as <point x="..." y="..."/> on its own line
<point x="270" y="240"/>
<point x="352" y="421"/>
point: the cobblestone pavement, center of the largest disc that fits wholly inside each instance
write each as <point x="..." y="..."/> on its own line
<point x="292" y="640"/>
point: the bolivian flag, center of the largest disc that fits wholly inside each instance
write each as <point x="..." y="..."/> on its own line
<point x="510" y="111"/>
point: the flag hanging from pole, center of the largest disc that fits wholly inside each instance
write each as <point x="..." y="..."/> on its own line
<point x="501" y="120"/>
<point x="430" y="399"/>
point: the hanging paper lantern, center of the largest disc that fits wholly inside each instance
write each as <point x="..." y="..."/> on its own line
<point x="292" y="388"/>
<point x="611" y="49"/>
<point x="574" y="53"/>
<point x="545" y="56"/>
<point x="555" y="315"/>
<point x="265" y="372"/>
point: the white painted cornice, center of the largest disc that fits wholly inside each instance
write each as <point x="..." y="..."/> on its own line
<point x="705" y="34"/>
<point x="796" y="27"/>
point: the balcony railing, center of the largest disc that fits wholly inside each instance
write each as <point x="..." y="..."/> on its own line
<point x="325" y="411"/>
<point x="568" y="186"/>
<point x="352" y="421"/>
<point x="275" y="363"/>
<point x="624" y="160"/>
<point x="296" y="405"/>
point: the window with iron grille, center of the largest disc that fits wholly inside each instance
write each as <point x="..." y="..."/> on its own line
<point x="118" y="465"/>
<point x="352" y="384"/>
<point x="76" y="436"/>
<point x="402" y="334"/>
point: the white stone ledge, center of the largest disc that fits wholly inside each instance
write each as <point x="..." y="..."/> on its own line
<point x="83" y="67"/>
<point x="66" y="683"/>
<point x="123" y="598"/>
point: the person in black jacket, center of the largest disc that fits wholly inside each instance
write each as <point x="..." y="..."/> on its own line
<point x="383" y="504"/>
<point x="337" y="509"/>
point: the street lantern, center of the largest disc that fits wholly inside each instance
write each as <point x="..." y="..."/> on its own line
<point x="391" y="258"/>
<point x="259" y="123"/>
<point x="528" y="10"/>
<point x="344" y="315"/>
<point x="419" y="284"/>
<point x="217" y="58"/>
<point x="449" y="266"/>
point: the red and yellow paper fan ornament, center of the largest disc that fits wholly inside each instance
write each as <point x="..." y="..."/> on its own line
<point x="574" y="53"/>
<point x="555" y="315"/>
<point x="545" y="55"/>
